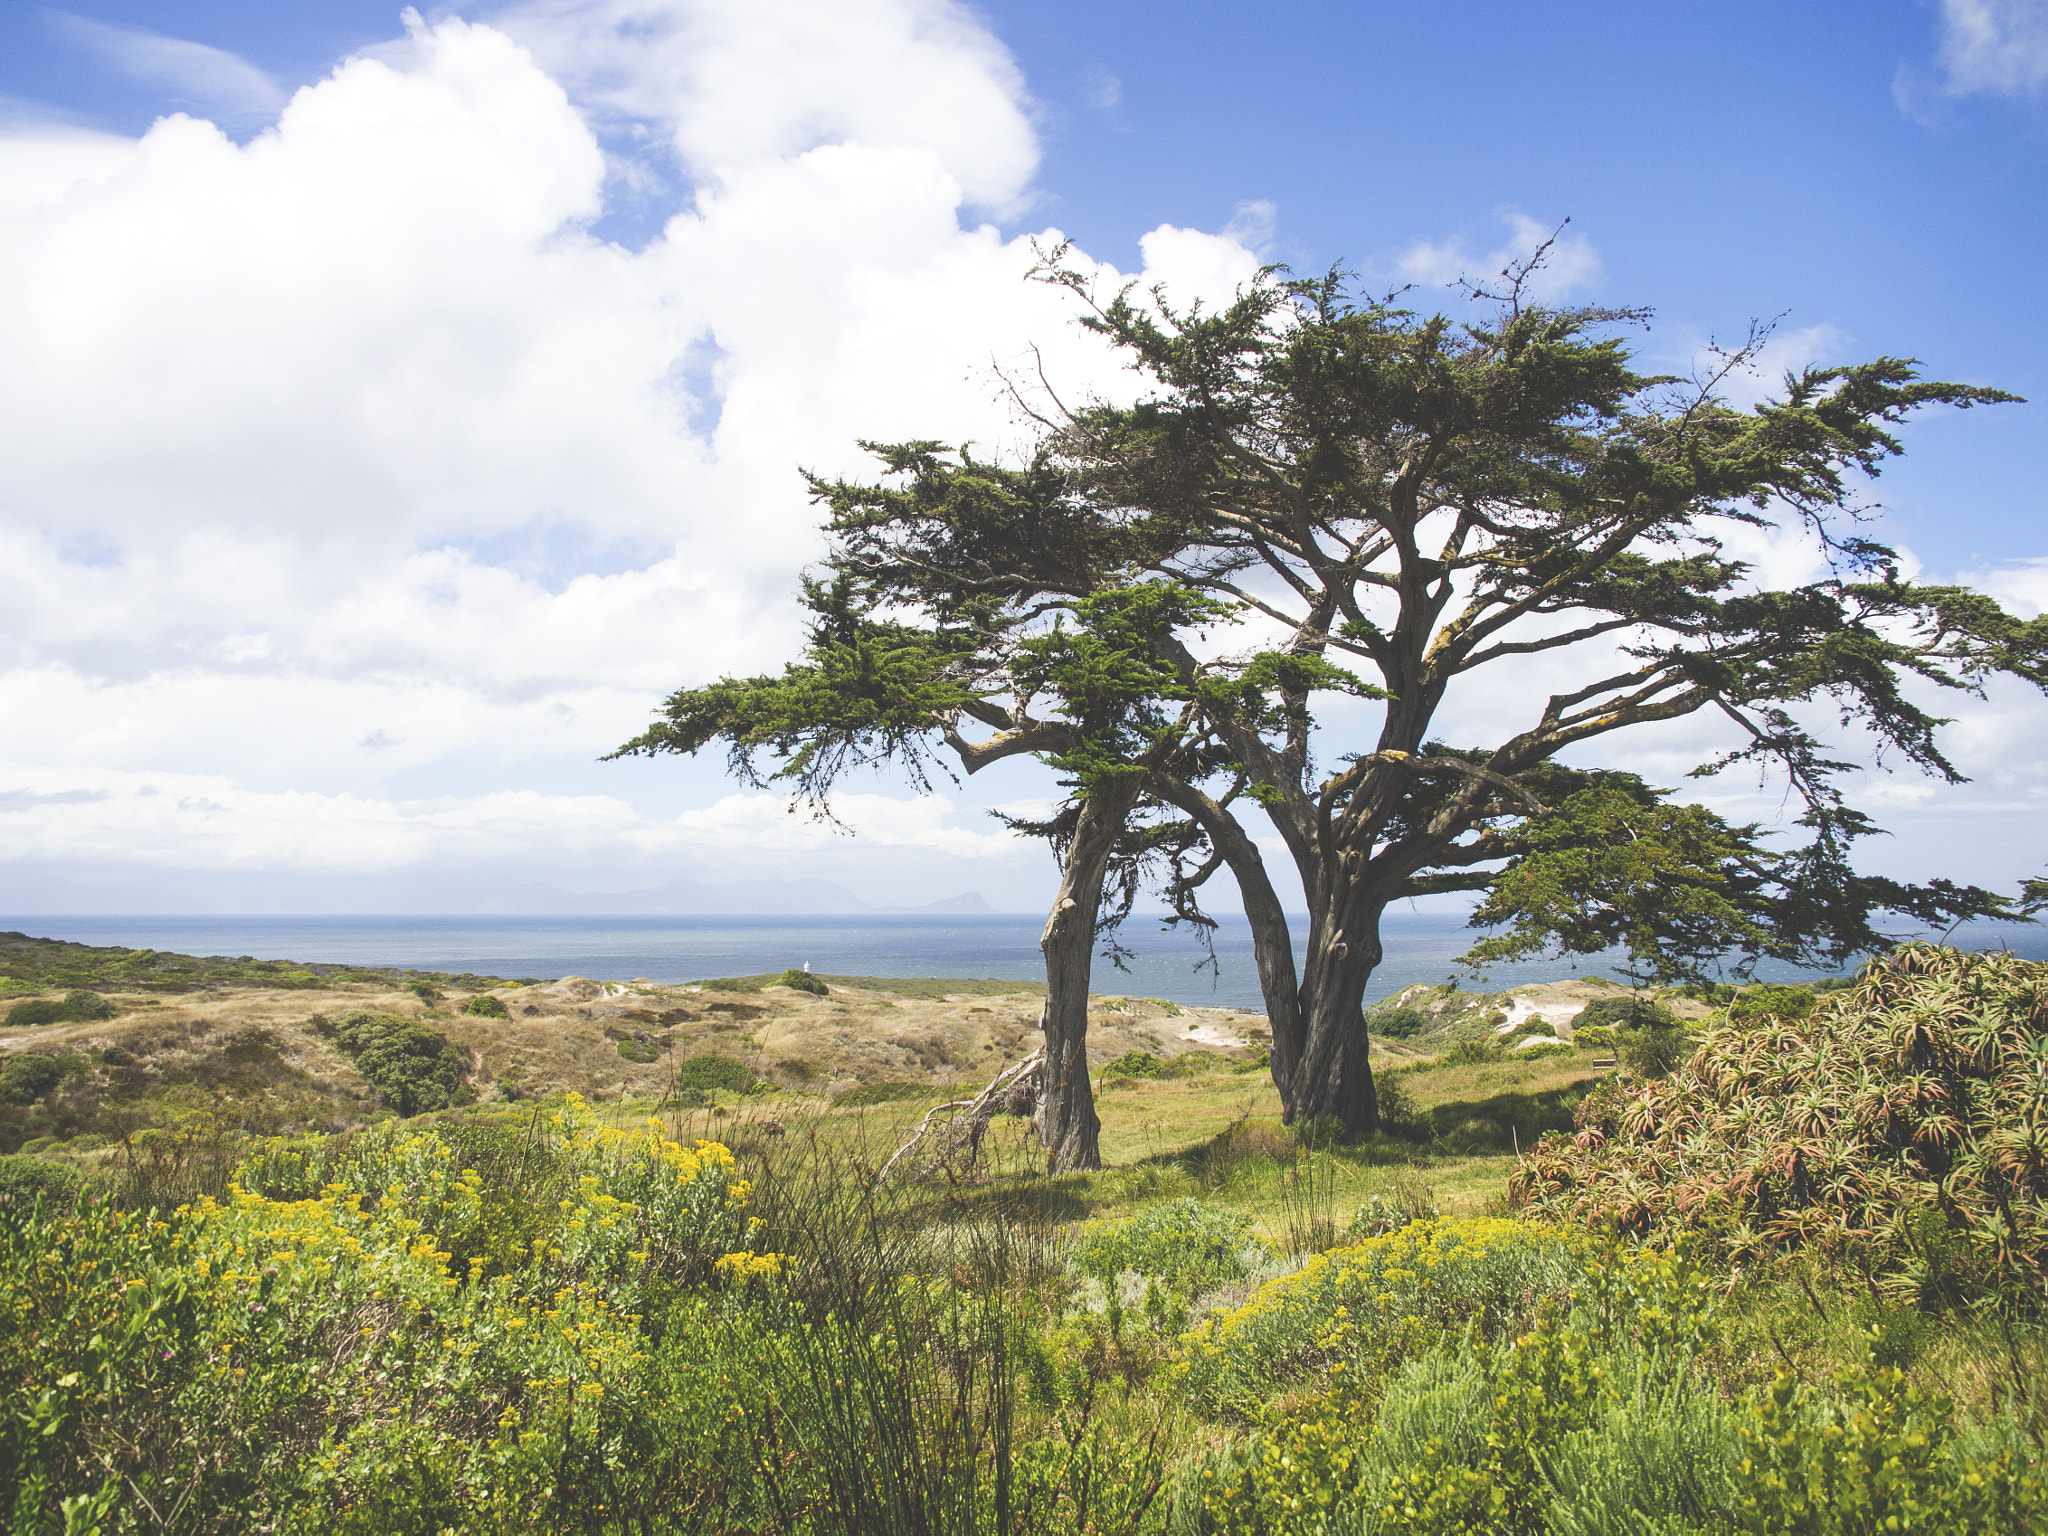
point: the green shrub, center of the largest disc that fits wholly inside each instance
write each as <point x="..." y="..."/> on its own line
<point x="27" y="1078"/>
<point x="884" y="1093"/>
<point x="1768" y="1000"/>
<point x="1131" y="1064"/>
<point x="1653" y="1052"/>
<point x="485" y="1006"/>
<point x="711" y="1072"/>
<point x="1392" y="1293"/>
<point x="75" y="1007"/>
<point x="24" y="1180"/>
<point x="1397" y="1023"/>
<point x="1180" y="1250"/>
<point x="1191" y="1064"/>
<point x="1594" y="1037"/>
<point x="639" y="1051"/>
<point x="425" y="991"/>
<point x="1470" y="1053"/>
<point x="1625" y="1013"/>
<point x="414" y="1069"/>
<point x="1169" y="1008"/>
<point x="802" y="981"/>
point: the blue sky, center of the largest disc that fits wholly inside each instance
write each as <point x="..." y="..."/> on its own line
<point x="380" y="454"/>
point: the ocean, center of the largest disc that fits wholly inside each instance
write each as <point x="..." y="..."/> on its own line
<point x="1420" y="947"/>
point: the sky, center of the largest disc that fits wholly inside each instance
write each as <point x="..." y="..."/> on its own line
<point x="395" y="406"/>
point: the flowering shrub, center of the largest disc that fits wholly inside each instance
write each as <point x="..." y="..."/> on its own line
<point x="1388" y="1292"/>
<point x="254" y="1352"/>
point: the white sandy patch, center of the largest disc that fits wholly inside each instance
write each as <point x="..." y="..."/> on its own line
<point x="1558" y="1015"/>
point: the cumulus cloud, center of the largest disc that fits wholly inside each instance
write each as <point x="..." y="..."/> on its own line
<point x="337" y="457"/>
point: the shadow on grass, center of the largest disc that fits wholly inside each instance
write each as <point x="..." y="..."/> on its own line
<point x="1502" y="1123"/>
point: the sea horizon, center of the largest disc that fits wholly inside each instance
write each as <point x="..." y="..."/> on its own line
<point x="1419" y="947"/>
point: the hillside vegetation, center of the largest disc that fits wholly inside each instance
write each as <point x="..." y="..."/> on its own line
<point x="1899" y="1128"/>
<point x="700" y="1310"/>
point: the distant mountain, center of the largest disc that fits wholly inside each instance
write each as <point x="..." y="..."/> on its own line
<point x="966" y="903"/>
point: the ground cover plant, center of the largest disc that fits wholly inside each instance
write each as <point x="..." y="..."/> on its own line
<point x="1898" y="1127"/>
<point x="570" y="1316"/>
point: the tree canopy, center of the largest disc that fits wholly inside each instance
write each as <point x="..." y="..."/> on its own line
<point x="1247" y="598"/>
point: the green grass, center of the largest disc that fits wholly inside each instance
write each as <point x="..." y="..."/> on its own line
<point x="46" y="965"/>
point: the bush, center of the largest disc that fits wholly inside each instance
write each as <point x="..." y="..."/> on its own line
<point x="1189" y="1245"/>
<point x="1131" y="1064"/>
<point x="425" y="991"/>
<point x="710" y="1073"/>
<point x="24" y="1180"/>
<point x="485" y="1006"/>
<point x="1394" y="1292"/>
<point x="76" y="1007"/>
<point x="1470" y="1053"/>
<point x="884" y="1093"/>
<point x="27" y="1078"/>
<point x="639" y="1051"/>
<point x="414" y="1069"/>
<point x="1397" y="1023"/>
<point x="1770" y="1138"/>
<point x="1767" y="1000"/>
<point x="1625" y="1013"/>
<point x="1652" y="1053"/>
<point x="802" y="981"/>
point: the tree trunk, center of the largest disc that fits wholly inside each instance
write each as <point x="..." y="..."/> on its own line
<point x="1272" y="943"/>
<point x="1334" y="1076"/>
<point x="1066" y="1119"/>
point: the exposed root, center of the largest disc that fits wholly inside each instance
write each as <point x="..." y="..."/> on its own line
<point x="1014" y="1091"/>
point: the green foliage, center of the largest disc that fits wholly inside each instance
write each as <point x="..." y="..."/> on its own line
<point x="75" y="1007"/>
<point x="802" y="981"/>
<point x="1629" y="1012"/>
<point x="1185" y="1245"/>
<point x="26" y="1078"/>
<point x="25" y="1180"/>
<point x="1654" y="1052"/>
<point x="485" y="1006"/>
<point x="1133" y="1063"/>
<point x="1387" y="1296"/>
<point x="1767" y="1000"/>
<point x="1397" y="1023"/>
<point x="414" y="1068"/>
<point x="1470" y="1053"/>
<point x="1897" y="1128"/>
<point x="883" y="1093"/>
<point x="1874" y="1454"/>
<point x="425" y="991"/>
<point x="639" y="1051"/>
<point x="711" y="1072"/>
<point x="41" y="965"/>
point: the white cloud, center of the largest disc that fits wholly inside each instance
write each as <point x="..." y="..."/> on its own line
<point x="1570" y="265"/>
<point x="1254" y="225"/>
<point x="348" y="458"/>
<point x="736" y="83"/>
<point x="203" y="77"/>
<point x="211" y="822"/>
<point x="1994" y="47"/>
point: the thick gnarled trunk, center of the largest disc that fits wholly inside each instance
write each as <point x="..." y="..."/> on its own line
<point x="1066" y="1120"/>
<point x="1334" y="1074"/>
